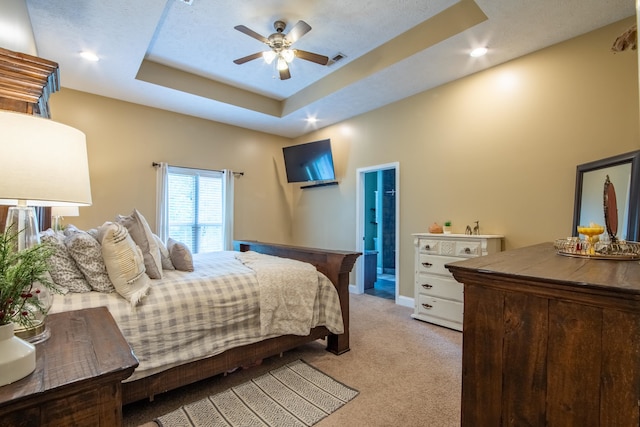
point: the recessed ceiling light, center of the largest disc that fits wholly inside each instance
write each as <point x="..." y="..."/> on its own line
<point x="89" y="56"/>
<point x="479" y="51"/>
<point x="311" y="120"/>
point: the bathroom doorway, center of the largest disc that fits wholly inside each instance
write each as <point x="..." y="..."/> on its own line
<point x="378" y="202"/>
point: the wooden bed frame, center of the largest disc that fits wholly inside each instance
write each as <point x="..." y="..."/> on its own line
<point x="19" y="71"/>
<point x="336" y="265"/>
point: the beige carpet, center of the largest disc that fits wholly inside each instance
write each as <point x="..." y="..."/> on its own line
<point x="408" y="372"/>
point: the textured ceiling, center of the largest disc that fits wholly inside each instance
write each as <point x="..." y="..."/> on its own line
<point x="179" y="57"/>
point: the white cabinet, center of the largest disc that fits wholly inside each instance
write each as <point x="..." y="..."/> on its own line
<point x="438" y="296"/>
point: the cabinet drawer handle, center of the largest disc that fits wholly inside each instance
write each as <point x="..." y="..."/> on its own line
<point x="427" y="306"/>
<point x="427" y="286"/>
<point x="427" y="247"/>
<point x="427" y="264"/>
<point x="467" y="250"/>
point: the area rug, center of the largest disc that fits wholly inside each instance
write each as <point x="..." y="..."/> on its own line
<point x="296" y="394"/>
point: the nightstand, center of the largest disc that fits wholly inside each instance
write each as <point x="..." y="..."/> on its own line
<point x="78" y="375"/>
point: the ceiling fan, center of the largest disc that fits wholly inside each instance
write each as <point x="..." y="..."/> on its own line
<point x="280" y="45"/>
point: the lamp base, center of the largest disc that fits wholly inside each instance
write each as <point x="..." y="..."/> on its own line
<point x="22" y="220"/>
<point x="56" y="223"/>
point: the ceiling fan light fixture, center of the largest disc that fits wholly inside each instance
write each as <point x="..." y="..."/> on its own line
<point x="280" y="47"/>
<point x="268" y="56"/>
<point x="282" y="64"/>
<point x="288" y="55"/>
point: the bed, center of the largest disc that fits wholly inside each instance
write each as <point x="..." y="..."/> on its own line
<point x="183" y="356"/>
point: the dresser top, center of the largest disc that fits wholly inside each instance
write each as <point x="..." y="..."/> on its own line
<point x="458" y="236"/>
<point x="540" y="265"/>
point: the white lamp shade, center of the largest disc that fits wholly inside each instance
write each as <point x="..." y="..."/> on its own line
<point x="65" y="211"/>
<point x="42" y="162"/>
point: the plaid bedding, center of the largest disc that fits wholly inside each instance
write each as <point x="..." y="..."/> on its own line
<point x="188" y="316"/>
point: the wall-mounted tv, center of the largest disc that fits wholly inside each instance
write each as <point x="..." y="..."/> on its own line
<point x="310" y="162"/>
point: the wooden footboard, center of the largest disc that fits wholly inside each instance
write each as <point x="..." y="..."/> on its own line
<point x="336" y="265"/>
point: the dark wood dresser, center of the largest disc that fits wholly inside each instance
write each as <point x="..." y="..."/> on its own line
<point x="550" y="340"/>
<point x="78" y="375"/>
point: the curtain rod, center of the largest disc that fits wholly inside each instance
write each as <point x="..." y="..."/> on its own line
<point x="156" y="164"/>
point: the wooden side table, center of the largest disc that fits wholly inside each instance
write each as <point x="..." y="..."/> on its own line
<point x="78" y="375"/>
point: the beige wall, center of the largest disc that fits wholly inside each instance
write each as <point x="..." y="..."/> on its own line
<point x="474" y="149"/>
<point x="500" y="146"/>
<point x="123" y="139"/>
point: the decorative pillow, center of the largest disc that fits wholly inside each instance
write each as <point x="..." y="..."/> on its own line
<point x="86" y="252"/>
<point x="165" y="258"/>
<point x="180" y="255"/>
<point x="124" y="262"/>
<point x="70" y="229"/>
<point x="93" y="232"/>
<point x="58" y="289"/>
<point x="62" y="268"/>
<point x="141" y="233"/>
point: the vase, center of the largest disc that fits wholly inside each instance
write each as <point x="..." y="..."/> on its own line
<point x="37" y="331"/>
<point x="17" y="357"/>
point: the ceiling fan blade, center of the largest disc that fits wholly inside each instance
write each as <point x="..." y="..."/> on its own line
<point x="298" y="30"/>
<point x="248" y="58"/>
<point x="310" y="56"/>
<point x="251" y="33"/>
<point x="285" y="74"/>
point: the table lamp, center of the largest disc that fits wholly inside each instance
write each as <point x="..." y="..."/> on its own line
<point x="59" y="212"/>
<point x="42" y="163"/>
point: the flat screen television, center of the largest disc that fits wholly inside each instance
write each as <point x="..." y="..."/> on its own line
<point x="310" y="162"/>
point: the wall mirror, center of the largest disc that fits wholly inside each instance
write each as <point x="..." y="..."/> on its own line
<point x="624" y="173"/>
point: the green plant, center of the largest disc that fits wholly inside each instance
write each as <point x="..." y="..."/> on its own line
<point x="447" y="223"/>
<point x="23" y="275"/>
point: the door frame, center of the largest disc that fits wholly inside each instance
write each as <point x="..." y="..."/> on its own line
<point x="360" y="215"/>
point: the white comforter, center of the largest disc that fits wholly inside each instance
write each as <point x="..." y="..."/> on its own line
<point x="189" y="316"/>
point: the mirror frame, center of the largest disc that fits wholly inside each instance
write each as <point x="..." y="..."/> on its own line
<point x="632" y="157"/>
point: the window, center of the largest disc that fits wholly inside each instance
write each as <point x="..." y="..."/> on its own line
<point x="195" y="208"/>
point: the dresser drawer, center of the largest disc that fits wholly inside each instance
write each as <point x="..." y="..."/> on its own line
<point x="429" y="246"/>
<point x="437" y="247"/>
<point x="441" y="308"/>
<point x="468" y="249"/>
<point x="434" y="264"/>
<point x="464" y="248"/>
<point x="441" y="287"/>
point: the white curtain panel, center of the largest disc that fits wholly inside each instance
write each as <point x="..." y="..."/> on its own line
<point x="227" y="200"/>
<point x="162" y="201"/>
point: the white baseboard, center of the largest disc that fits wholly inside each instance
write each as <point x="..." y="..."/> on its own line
<point x="401" y="300"/>
<point x="405" y="301"/>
